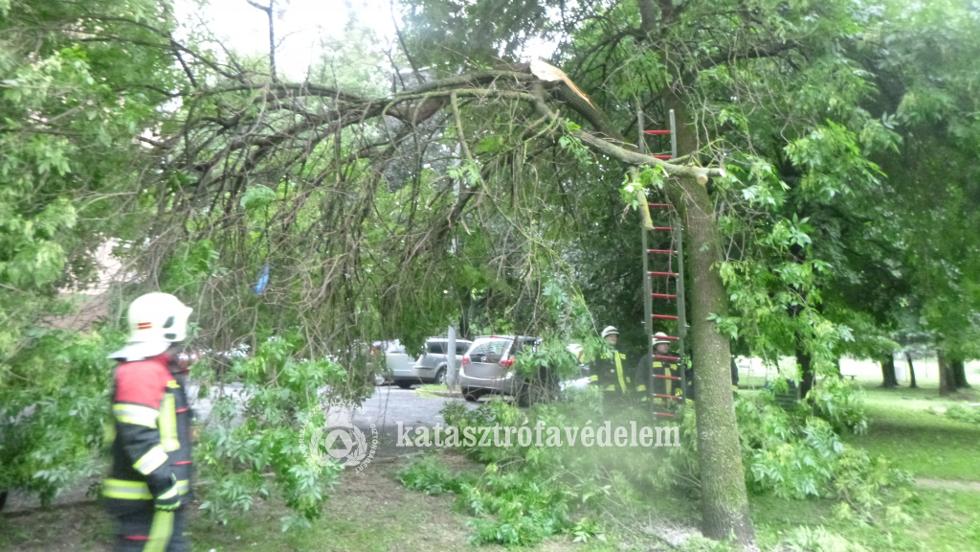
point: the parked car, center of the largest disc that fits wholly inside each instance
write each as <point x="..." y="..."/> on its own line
<point x="391" y="362"/>
<point x="488" y="367"/>
<point x="432" y="364"/>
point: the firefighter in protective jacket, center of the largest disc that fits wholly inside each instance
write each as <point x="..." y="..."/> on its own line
<point x="149" y="484"/>
<point x="609" y="373"/>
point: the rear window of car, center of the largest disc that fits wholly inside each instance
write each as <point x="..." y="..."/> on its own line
<point x="491" y="350"/>
<point x="436" y="347"/>
<point x="462" y="347"/>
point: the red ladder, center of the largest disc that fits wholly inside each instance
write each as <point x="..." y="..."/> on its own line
<point x="663" y="283"/>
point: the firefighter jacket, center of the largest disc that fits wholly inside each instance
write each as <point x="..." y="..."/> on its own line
<point x="151" y="451"/>
<point x="609" y="375"/>
<point x="665" y="377"/>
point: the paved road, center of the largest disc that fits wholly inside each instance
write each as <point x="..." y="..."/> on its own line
<point x="386" y="408"/>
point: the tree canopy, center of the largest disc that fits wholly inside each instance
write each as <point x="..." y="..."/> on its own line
<point x="825" y="180"/>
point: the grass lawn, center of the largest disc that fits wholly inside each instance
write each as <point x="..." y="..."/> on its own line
<point x="941" y="521"/>
<point x="907" y="428"/>
<point x="432" y="389"/>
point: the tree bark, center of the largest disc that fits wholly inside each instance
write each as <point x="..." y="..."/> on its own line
<point x="888" y="378"/>
<point x="724" y="501"/>
<point x="908" y="360"/>
<point x="959" y="374"/>
<point x="947" y="382"/>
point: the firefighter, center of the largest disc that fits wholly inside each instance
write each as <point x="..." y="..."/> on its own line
<point x="607" y="370"/>
<point x="665" y="373"/>
<point x="148" y="486"/>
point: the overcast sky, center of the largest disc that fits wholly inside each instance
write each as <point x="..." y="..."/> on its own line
<point x="302" y="26"/>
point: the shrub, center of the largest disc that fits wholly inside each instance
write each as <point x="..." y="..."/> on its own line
<point x="964" y="414"/>
<point x="272" y="426"/>
<point x="429" y="476"/>
<point x="840" y="403"/>
<point x="818" y="539"/>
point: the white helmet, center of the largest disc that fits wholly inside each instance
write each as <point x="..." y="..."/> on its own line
<point x="609" y="330"/>
<point x="156" y="320"/>
<point x="660" y="337"/>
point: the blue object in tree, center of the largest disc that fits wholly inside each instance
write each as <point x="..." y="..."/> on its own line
<point x="263" y="280"/>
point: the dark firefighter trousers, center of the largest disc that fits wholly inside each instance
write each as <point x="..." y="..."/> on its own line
<point x="151" y="530"/>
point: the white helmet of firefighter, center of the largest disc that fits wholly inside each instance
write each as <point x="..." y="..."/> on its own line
<point x="660" y="338"/>
<point x="156" y="321"/>
<point x="609" y="330"/>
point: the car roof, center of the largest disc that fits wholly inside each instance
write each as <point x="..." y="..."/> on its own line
<point x="521" y="337"/>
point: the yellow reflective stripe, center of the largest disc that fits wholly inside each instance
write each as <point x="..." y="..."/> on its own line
<point x="168" y="423"/>
<point x="641" y="387"/>
<point x="153" y="459"/>
<point x="593" y="378"/>
<point x="135" y="414"/>
<point x="172" y="384"/>
<point x="138" y="490"/>
<point x="610" y="387"/>
<point x="171" y="492"/>
<point x="126" y="490"/>
<point x="619" y="372"/>
<point x="160" y="532"/>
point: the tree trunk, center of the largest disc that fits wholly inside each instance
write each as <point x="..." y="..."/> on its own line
<point x="888" y="378"/>
<point x="947" y="382"/>
<point x="959" y="374"/>
<point x="908" y="359"/>
<point x="724" y="504"/>
<point x="724" y="500"/>
<point x="805" y="364"/>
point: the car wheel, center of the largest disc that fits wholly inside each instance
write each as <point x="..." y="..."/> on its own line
<point x="441" y="376"/>
<point x="404" y="384"/>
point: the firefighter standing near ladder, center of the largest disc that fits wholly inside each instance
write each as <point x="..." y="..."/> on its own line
<point x="665" y="373"/>
<point x="149" y="483"/>
<point x="608" y="373"/>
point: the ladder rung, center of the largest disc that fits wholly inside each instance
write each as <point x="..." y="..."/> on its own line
<point x="664" y="295"/>
<point x="657" y="131"/>
<point x="667" y="357"/>
<point x="666" y="396"/>
<point x="668" y="337"/>
<point x="662" y="376"/>
<point x="662" y="155"/>
<point x="667" y="228"/>
<point x="664" y="316"/>
<point x="660" y="205"/>
<point x="662" y="251"/>
<point x="665" y="274"/>
<point x="665" y="414"/>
